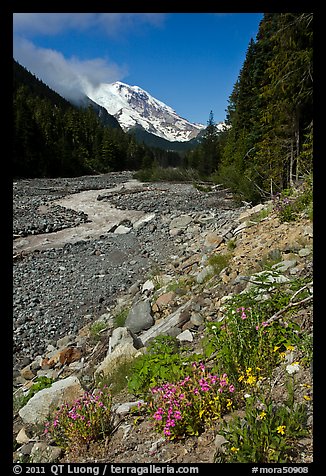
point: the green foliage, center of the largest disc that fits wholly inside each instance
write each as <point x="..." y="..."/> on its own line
<point x="305" y="346"/>
<point x="244" y="339"/>
<point x="163" y="361"/>
<point x="166" y="174"/>
<point x="120" y="318"/>
<point x="241" y="182"/>
<point x="269" y="141"/>
<point x="219" y="261"/>
<point x="188" y="406"/>
<point x="206" y="156"/>
<point x="88" y="419"/>
<point x="39" y="384"/>
<point x="117" y="380"/>
<point x="181" y="284"/>
<point x="291" y="202"/>
<point x="231" y="244"/>
<point x="96" y="328"/>
<point x="265" y="434"/>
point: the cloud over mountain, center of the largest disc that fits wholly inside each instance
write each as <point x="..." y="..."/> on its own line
<point x="68" y="76"/>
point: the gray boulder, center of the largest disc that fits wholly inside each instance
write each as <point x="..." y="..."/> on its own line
<point x="140" y="317"/>
<point x="40" y="406"/>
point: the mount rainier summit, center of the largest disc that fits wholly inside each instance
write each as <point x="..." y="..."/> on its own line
<point x="133" y="107"/>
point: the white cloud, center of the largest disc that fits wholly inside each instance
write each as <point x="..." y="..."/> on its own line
<point x="112" y="24"/>
<point x="68" y="77"/>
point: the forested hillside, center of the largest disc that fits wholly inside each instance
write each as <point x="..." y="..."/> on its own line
<point x="267" y="144"/>
<point x="54" y="138"/>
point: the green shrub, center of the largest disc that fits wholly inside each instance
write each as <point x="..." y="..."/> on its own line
<point x="166" y="174"/>
<point x="189" y="405"/>
<point x="243" y="340"/>
<point x="292" y="202"/>
<point x="163" y="361"/>
<point x="219" y="261"/>
<point x="88" y="419"/>
<point x="266" y="432"/>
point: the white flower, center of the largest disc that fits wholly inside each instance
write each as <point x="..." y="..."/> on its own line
<point x="247" y="395"/>
<point x="293" y="368"/>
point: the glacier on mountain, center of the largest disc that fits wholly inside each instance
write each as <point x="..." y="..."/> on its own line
<point x="132" y="106"/>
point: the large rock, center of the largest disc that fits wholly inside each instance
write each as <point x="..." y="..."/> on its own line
<point x="180" y="222"/>
<point x="140" y="317"/>
<point x="43" y="453"/>
<point x="167" y="326"/>
<point x="121" y="354"/>
<point x="44" y="402"/>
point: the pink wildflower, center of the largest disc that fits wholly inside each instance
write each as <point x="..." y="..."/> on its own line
<point x="177" y="415"/>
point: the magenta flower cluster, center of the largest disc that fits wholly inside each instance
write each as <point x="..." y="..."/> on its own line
<point x="242" y="310"/>
<point x="263" y="324"/>
<point x="86" y="420"/>
<point x="184" y="408"/>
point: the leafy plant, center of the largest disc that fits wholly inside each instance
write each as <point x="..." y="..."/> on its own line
<point x="39" y="384"/>
<point x="231" y="245"/>
<point x="163" y="361"/>
<point x="88" y="419"/>
<point x="265" y="434"/>
<point x="120" y="318"/>
<point x="96" y="328"/>
<point x="189" y="405"/>
<point x="244" y="339"/>
<point x="291" y="201"/>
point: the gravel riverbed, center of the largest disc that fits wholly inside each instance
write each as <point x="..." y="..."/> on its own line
<point x="58" y="287"/>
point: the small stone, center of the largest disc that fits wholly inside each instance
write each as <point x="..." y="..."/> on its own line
<point x="27" y="373"/>
<point x="165" y="299"/>
<point x="219" y="442"/>
<point x="42" y="453"/>
<point x="148" y="286"/>
<point x="305" y="252"/>
<point x="185" y="336"/>
<point x="22" y="437"/>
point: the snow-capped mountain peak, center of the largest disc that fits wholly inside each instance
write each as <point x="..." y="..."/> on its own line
<point x="132" y="106"/>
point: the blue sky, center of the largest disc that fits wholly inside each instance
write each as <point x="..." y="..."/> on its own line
<point x="190" y="61"/>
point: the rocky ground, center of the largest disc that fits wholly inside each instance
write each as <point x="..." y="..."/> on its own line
<point x="164" y="233"/>
<point x="58" y="290"/>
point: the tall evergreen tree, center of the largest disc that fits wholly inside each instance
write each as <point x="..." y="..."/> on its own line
<point x="270" y="108"/>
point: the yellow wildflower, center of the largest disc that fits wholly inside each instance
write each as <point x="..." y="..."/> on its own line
<point x="276" y="347"/>
<point x="306" y="397"/>
<point x="262" y="415"/>
<point x="289" y="347"/>
<point x="281" y="429"/>
<point x="234" y="449"/>
<point x="240" y="378"/>
<point x="251" y="380"/>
